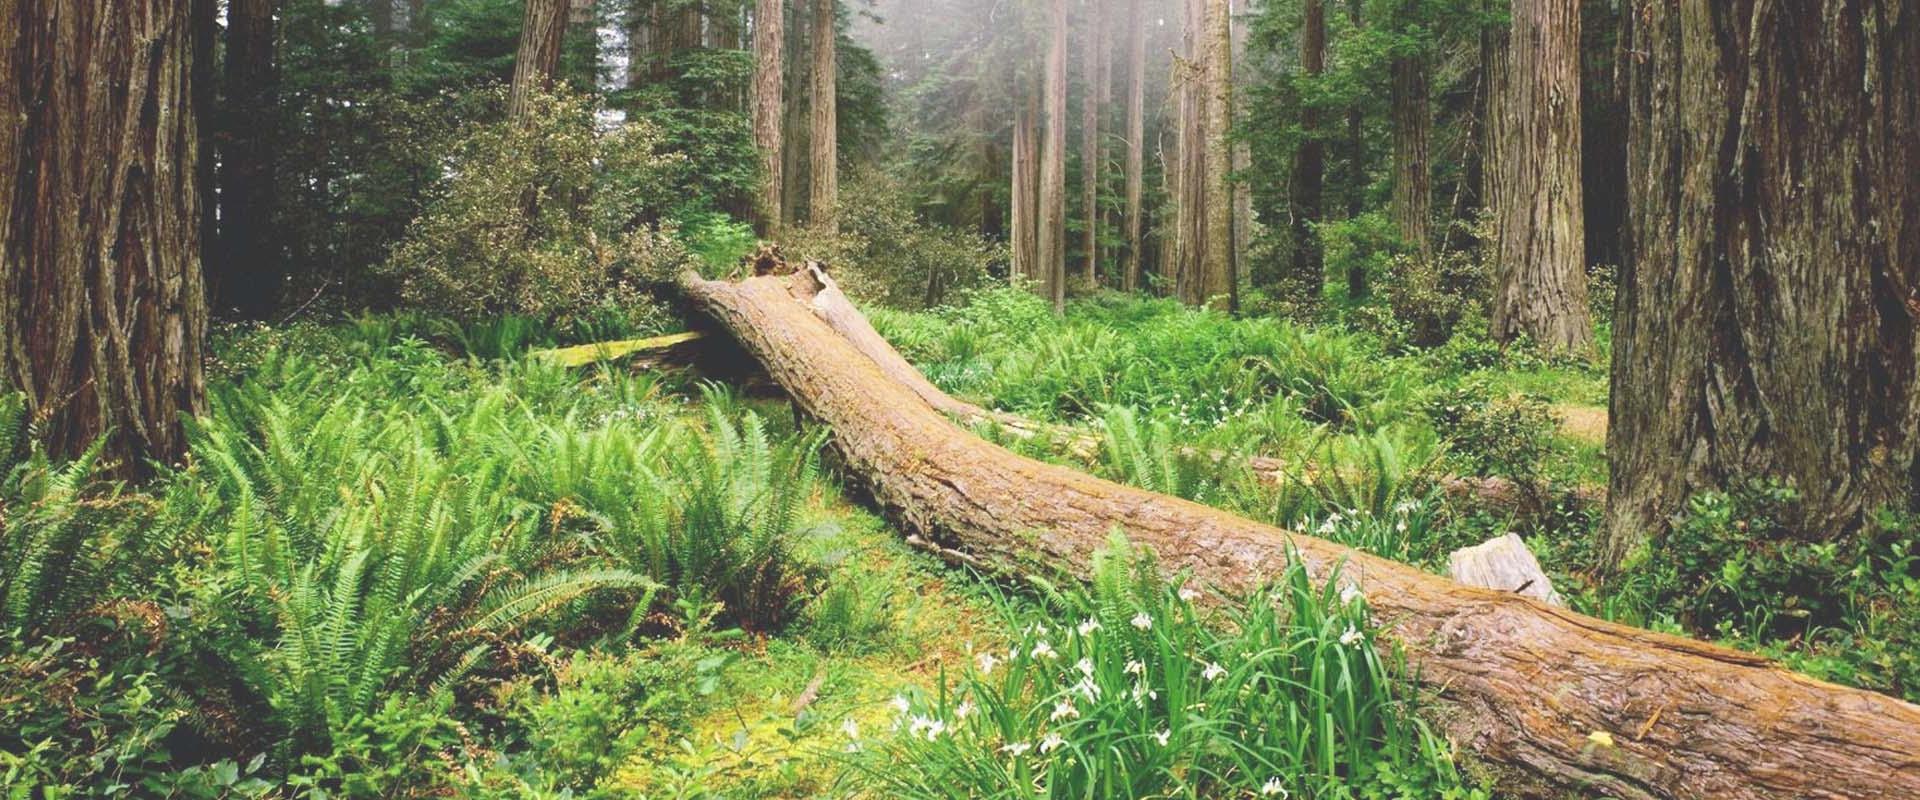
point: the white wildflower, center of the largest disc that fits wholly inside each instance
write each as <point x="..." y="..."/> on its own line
<point x="1400" y="526"/>
<point x="1088" y="626"/>
<point x="1349" y="593"/>
<point x="1136" y="668"/>
<point x="1351" y="637"/>
<point x="1162" y="737"/>
<point x="850" y="728"/>
<point x="1213" y="672"/>
<point x="1189" y="594"/>
<point x="1085" y="665"/>
<point x="1052" y="742"/>
<point x="1016" y="749"/>
<point x="1063" y="710"/>
<point x="1043" y="650"/>
<point x="964" y="710"/>
<point x="1086" y="688"/>
<point x="986" y="661"/>
<point x="1273" y="788"/>
<point x="900" y="704"/>
<point x="1142" y="621"/>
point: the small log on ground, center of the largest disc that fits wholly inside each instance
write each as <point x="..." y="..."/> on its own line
<point x="1503" y="563"/>
<point x="1526" y="685"/>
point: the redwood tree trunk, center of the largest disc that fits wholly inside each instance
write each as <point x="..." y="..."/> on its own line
<point x="543" y="26"/>
<point x="824" y="203"/>
<point x="1412" y="126"/>
<point x="1189" y="181"/>
<point x="1090" y="143"/>
<point x="1310" y="166"/>
<point x="102" y="310"/>
<point x="1219" y="287"/>
<point x="769" y="96"/>
<point x="1356" y="179"/>
<point x="1026" y="184"/>
<point x="1527" y="686"/>
<point x="1766" y="323"/>
<point x="250" y="272"/>
<point x="1136" y="138"/>
<point x="1053" y="159"/>
<point x="1541" y="284"/>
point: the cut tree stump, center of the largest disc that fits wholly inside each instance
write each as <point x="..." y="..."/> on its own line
<point x="1503" y="563"/>
<point x="1564" y="701"/>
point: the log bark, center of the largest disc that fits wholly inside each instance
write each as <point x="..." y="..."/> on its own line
<point x="1524" y="684"/>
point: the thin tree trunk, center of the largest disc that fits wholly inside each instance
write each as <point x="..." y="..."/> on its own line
<point x="769" y="108"/>
<point x="1541" y="285"/>
<point x="1189" y="181"/>
<point x="1026" y="184"/>
<point x="543" y="27"/>
<point x="1220" y="289"/>
<point x="1412" y="125"/>
<point x="1053" y="159"/>
<point x="1527" y="686"/>
<point x="1136" y="138"/>
<point x="1090" y="143"/>
<point x="823" y="206"/>
<point x="102" y="311"/>
<point x="251" y="272"/>
<point x="1309" y="172"/>
<point x="1356" y="179"/>
<point x="1766" y="322"/>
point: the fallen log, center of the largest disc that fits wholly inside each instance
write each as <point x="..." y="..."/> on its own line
<point x="1563" y="700"/>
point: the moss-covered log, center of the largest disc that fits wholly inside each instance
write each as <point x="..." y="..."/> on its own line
<point x="1564" y="700"/>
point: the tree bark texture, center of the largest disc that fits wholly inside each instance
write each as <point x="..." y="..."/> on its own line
<point x="1356" y="178"/>
<point x="1090" y="143"/>
<point x="1412" y="132"/>
<point x="250" y="272"/>
<point x="103" y="314"/>
<point x="769" y="108"/>
<point x="1219" y="288"/>
<point x="1766" y="322"/>
<point x="1136" y="139"/>
<point x="1026" y="185"/>
<point x="1189" y="181"/>
<point x="1525" y="685"/>
<point x="1310" y="163"/>
<point x="823" y="206"/>
<point x="543" y="27"/>
<point x="1541" y="280"/>
<point x="1053" y="159"/>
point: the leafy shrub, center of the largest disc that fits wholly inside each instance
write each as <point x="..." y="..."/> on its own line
<point x="1148" y="696"/>
<point x="885" y="253"/>
<point x="1428" y="299"/>
<point x="1732" y="565"/>
<point x="544" y="216"/>
<point x="1487" y="434"/>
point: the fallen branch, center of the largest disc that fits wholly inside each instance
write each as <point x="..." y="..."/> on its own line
<point x="1562" y="699"/>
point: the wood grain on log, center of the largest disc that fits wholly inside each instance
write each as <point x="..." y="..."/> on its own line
<point x="1564" y="700"/>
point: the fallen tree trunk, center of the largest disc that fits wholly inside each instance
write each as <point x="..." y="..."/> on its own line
<point x="1565" y="700"/>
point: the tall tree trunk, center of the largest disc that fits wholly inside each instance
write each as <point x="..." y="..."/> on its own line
<point x="102" y="310"/>
<point x="1309" y="172"/>
<point x="543" y="26"/>
<point x="1190" y="180"/>
<point x="1090" y="142"/>
<point x="1356" y="178"/>
<point x="1025" y="187"/>
<point x="1220" y="289"/>
<point x="823" y="206"/>
<point x="769" y="107"/>
<point x="1053" y="159"/>
<point x="1766" y="323"/>
<point x="1541" y="284"/>
<point x="1412" y="126"/>
<point x="1136" y="138"/>
<point x="250" y="271"/>
<point x="1603" y="131"/>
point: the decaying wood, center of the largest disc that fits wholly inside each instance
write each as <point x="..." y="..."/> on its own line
<point x="1505" y="564"/>
<point x="1564" y="700"/>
